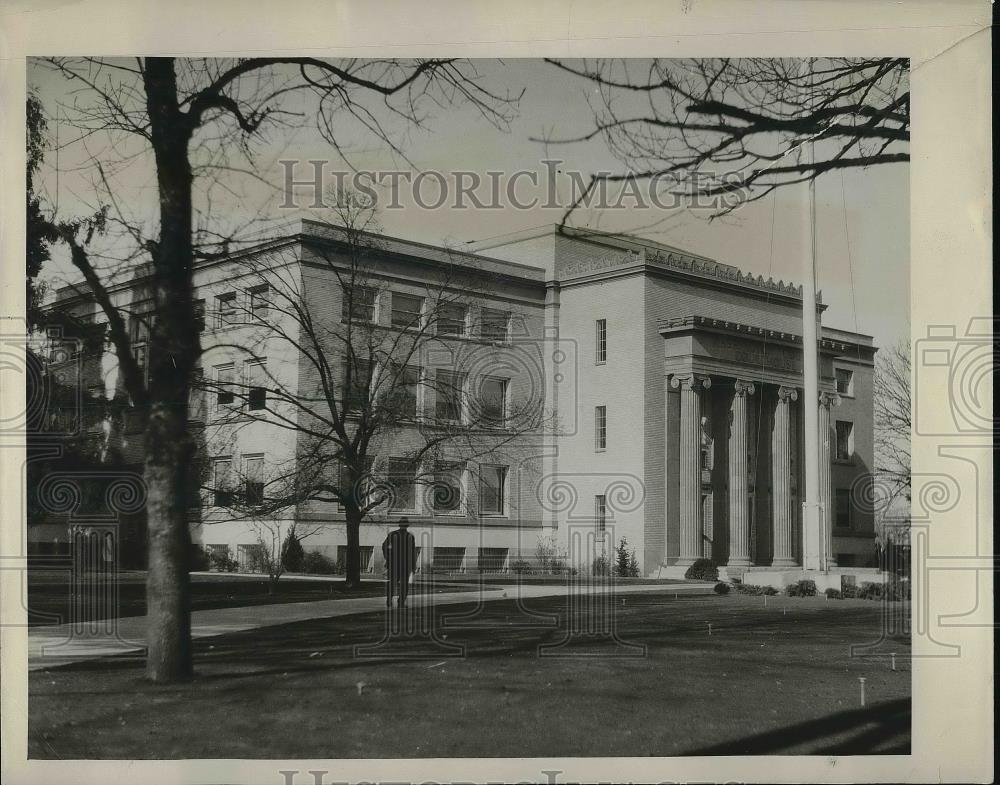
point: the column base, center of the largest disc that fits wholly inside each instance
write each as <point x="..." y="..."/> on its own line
<point x="784" y="563"/>
<point x="685" y="561"/>
<point x="739" y="562"/>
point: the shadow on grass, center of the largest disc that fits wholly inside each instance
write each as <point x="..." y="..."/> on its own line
<point x="885" y="727"/>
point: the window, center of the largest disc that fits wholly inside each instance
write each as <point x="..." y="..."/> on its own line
<point x="260" y="306"/>
<point x="359" y="304"/>
<point x="199" y="315"/>
<point x="404" y="393"/>
<point x="224" y="378"/>
<point x="600" y="427"/>
<point x="845" y="381"/>
<point x="495" y="325"/>
<point x="449" y="560"/>
<point x="356" y="396"/>
<point x="139" y="353"/>
<point x="366" y="552"/>
<point x="601" y="513"/>
<point x="447" y="491"/>
<point x="449" y="387"/>
<point x="492" y="490"/>
<point x="253" y="470"/>
<point x="842" y="508"/>
<point x="256" y="386"/>
<point x="845" y="440"/>
<point x="601" y="354"/>
<point x="196" y="396"/>
<point x="493" y="401"/>
<point x="402" y="477"/>
<point x="451" y="319"/>
<point x="492" y="559"/>
<point x="221" y="490"/>
<point x="225" y="309"/>
<point x="406" y="310"/>
<point x="138" y="328"/>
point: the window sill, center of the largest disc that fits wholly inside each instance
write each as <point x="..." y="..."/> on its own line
<point x="600" y="362"/>
<point x="843" y="461"/>
<point x="600" y="449"/>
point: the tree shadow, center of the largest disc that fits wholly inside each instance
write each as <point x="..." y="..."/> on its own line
<point x="880" y="729"/>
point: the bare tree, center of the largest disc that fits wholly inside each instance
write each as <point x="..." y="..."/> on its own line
<point x="892" y="421"/>
<point x="376" y="419"/>
<point x="736" y="128"/>
<point x="193" y="122"/>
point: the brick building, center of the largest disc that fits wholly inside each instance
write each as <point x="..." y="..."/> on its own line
<point x="670" y="388"/>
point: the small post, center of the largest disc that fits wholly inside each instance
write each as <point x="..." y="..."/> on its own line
<point x="709" y="628"/>
<point x="893" y="655"/>
<point x="862" y="680"/>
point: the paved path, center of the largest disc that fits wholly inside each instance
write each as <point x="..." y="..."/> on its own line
<point x="49" y="646"/>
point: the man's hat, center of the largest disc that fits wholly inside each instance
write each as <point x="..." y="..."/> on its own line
<point x="404" y="522"/>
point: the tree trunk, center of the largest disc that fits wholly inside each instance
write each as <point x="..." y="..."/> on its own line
<point x="174" y="347"/>
<point x="353" y="566"/>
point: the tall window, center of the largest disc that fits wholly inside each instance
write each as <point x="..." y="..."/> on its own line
<point x="601" y="355"/>
<point x="253" y="471"/>
<point x="260" y="307"/>
<point x="601" y="513"/>
<point x="256" y="385"/>
<point x="495" y="324"/>
<point x="402" y="477"/>
<point x="221" y="488"/>
<point x="447" y="487"/>
<point x="404" y="394"/>
<point x="359" y="304"/>
<point x="224" y="380"/>
<point x="356" y="395"/>
<point x="842" y="508"/>
<point x="225" y="309"/>
<point x="492" y="490"/>
<point x="451" y="319"/>
<point x="493" y="401"/>
<point x="199" y="315"/>
<point x="845" y="381"/>
<point x="845" y="440"/>
<point x="449" y="388"/>
<point x="406" y="310"/>
<point x="600" y="427"/>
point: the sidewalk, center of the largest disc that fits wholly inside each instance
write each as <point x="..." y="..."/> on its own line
<point x="55" y="645"/>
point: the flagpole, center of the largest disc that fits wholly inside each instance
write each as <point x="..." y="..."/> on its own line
<point x="813" y="541"/>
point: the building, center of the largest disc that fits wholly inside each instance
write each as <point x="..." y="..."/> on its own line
<point x="671" y="387"/>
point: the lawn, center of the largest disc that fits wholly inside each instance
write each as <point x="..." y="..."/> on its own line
<point x="767" y="680"/>
<point x="51" y="595"/>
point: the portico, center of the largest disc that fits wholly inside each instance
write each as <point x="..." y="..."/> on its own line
<point x="733" y="420"/>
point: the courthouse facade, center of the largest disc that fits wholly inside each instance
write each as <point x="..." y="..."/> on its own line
<point x="671" y="387"/>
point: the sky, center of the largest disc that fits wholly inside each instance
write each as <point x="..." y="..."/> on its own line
<point x="862" y="215"/>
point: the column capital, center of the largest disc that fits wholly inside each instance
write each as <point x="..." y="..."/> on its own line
<point x="829" y="400"/>
<point x="692" y="381"/>
<point x="787" y="393"/>
<point x="744" y="388"/>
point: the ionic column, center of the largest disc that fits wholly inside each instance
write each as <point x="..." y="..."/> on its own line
<point x="739" y="500"/>
<point x="690" y="466"/>
<point x="826" y="402"/>
<point x="781" y="480"/>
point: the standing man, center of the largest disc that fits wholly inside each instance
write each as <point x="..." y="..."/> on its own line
<point x="400" y="553"/>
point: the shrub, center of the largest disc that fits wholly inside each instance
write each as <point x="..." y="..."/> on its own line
<point x="702" y="570"/>
<point x="198" y="560"/>
<point x="317" y="563"/>
<point x="804" y="588"/>
<point x="722" y="588"/>
<point x="223" y="562"/>
<point x="870" y="591"/>
<point x="833" y="594"/>
<point x="557" y="566"/>
<point x="520" y="567"/>
<point x="626" y="564"/>
<point x="749" y="588"/>
<point x="601" y="567"/>
<point x="292" y="554"/>
<point x="849" y="591"/>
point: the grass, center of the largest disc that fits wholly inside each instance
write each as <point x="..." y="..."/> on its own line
<point x="776" y="679"/>
<point x="51" y="595"/>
